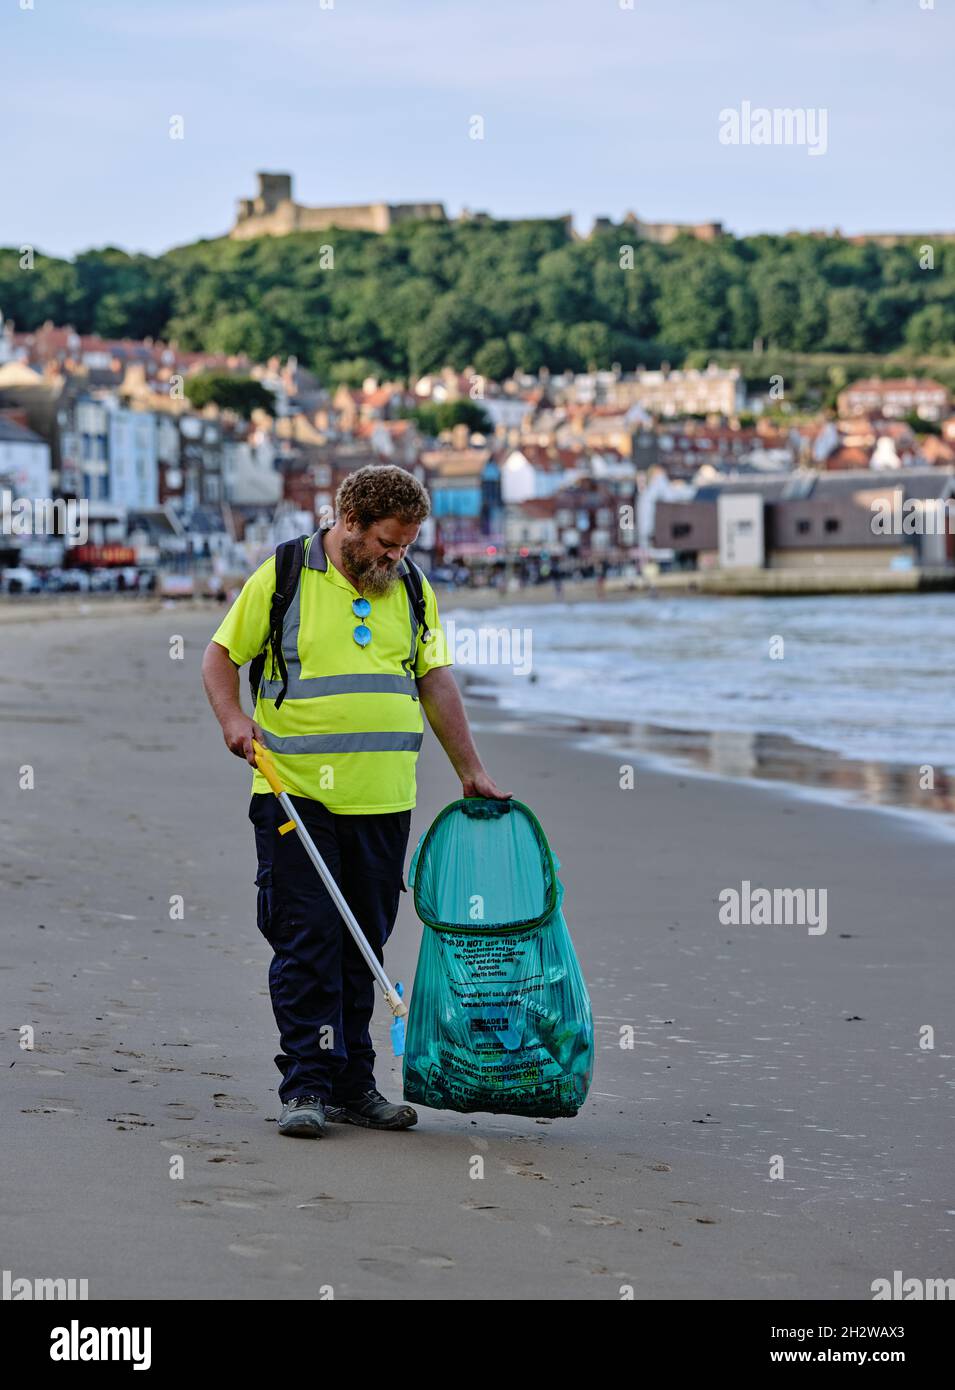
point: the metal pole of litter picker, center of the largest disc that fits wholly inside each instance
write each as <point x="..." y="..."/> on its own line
<point x="268" y="770"/>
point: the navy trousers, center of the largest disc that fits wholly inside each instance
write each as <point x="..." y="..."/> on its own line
<point x="323" y="993"/>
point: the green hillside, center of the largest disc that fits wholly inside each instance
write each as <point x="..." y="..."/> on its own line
<point x="498" y="295"/>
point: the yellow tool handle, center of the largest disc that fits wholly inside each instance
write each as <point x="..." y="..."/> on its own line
<point x="263" y="761"/>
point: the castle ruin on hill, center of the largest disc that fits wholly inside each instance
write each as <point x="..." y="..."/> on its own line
<point x="274" y="212"/>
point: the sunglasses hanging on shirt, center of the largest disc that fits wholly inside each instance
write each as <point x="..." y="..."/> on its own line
<point x="361" y="608"/>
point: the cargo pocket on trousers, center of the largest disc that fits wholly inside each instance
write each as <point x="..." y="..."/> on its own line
<point x="266" y="916"/>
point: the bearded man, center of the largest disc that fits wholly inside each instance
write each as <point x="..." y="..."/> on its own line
<point x="344" y="728"/>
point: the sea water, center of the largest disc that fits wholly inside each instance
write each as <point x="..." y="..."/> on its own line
<point x="868" y="677"/>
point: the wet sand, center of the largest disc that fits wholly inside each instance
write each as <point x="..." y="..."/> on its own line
<point x="736" y="754"/>
<point x="154" y="1036"/>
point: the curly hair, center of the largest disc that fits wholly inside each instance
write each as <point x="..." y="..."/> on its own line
<point x="377" y="491"/>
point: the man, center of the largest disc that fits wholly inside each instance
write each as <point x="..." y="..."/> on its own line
<point x="344" y="738"/>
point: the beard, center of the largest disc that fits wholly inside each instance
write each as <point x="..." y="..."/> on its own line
<point x="369" y="573"/>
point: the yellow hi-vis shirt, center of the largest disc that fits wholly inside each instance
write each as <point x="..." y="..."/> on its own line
<point x="350" y="727"/>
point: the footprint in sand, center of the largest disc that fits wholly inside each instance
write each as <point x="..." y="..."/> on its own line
<point x="395" y="1260"/>
<point x="523" y="1168"/>
<point x="209" y="1149"/>
<point x="226" y="1102"/>
<point x="391" y="1269"/>
<point x="248" y="1191"/>
<point x="255" y="1247"/>
<point x="589" y="1265"/>
<point x="326" y="1208"/>
<point x="235" y="1198"/>
<point x="180" y="1110"/>
<point x="586" y="1216"/>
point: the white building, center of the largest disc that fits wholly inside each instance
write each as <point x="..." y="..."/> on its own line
<point x="91" y="438"/>
<point x="24" y="461"/>
<point x="533" y="525"/>
<point x="739" y="520"/>
<point x="521" y="480"/>
<point x="249" y="475"/>
<point x="7" y="349"/>
<point x="506" y="412"/>
<point x="133" y="458"/>
<point x="715" y="391"/>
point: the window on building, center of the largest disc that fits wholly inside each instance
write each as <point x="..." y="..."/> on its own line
<point x="803" y="526"/>
<point x="680" y="528"/>
<point x="832" y="524"/>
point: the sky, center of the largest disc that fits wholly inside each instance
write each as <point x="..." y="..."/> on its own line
<point x="594" y="107"/>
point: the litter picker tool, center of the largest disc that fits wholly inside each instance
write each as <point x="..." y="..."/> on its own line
<point x="267" y="768"/>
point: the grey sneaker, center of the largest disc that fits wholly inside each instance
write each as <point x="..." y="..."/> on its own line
<point x="303" y="1117"/>
<point x="372" y="1111"/>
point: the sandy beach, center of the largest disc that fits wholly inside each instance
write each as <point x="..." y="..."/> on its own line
<point x="752" y="1044"/>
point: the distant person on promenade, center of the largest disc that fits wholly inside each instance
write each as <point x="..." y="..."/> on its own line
<point x="345" y="741"/>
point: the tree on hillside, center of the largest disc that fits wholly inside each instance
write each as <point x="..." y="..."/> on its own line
<point x="239" y="393"/>
<point x="500" y="295"/>
<point x="433" y="420"/>
<point x="848" y="320"/>
<point x="932" y="329"/>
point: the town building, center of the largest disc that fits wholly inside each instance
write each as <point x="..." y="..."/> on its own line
<point x="250" y="478"/>
<point x="25" y="469"/>
<point x="811" y="520"/>
<point x="132" y="452"/>
<point x="713" y="391"/>
<point x="895" y="397"/>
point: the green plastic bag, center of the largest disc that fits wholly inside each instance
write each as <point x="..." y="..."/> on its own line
<point x="500" y="1018"/>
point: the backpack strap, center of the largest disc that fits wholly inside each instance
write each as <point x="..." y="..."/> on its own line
<point x="411" y="575"/>
<point x="289" y="559"/>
